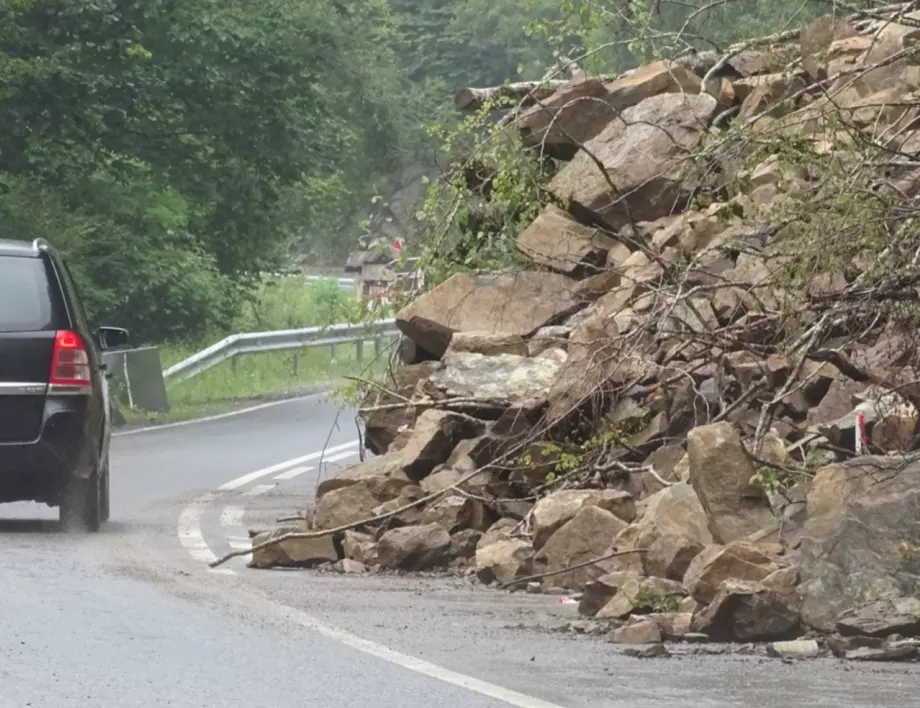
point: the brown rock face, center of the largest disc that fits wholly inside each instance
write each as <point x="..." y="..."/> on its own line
<point x="382" y="467"/>
<point x="587" y="535"/>
<point x="504" y="560"/>
<point x="293" y="553"/>
<point x="518" y="303"/>
<point x="553" y="511"/>
<point x="382" y="426"/>
<point x="554" y="239"/>
<point x="355" y="502"/>
<point x="646" y="594"/>
<point x="882" y="618"/>
<point x="640" y="152"/>
<point x="720" y="472"/>
<point x="414" y="547"/>
<point x="641" y="632"/>
<point x="572" y="115"/>
<point x="716" y="564"/>
<point x="674" y="511"/>
<point x="433" y="439"/>
<point x="843" y="566"/>
<point x="659" y="77"/>
<point x="488" y="343"/>
<point x="746" y="612"/>
<point x="670" y="556"/>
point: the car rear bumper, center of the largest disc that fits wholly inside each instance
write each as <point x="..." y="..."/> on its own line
<point x="57" y="450"/>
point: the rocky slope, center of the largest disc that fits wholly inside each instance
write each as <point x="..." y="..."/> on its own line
<point x="696" y="411"/>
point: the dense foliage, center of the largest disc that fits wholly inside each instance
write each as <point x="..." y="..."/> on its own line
<point x="175" y="149"/>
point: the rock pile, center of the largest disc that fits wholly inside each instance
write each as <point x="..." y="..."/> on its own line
<point x="697" y="409"/>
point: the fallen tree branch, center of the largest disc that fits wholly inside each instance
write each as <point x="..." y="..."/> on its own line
<point x="471" y="98"/>
<point x="585" y="564"/>
<point x="465" y="401"/>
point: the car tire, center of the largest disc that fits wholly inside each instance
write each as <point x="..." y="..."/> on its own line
<point x="81" y="508"/>
<point x="104" y="493"/>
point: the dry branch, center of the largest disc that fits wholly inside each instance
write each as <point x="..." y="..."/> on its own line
<point x="470" y="98"/>
<point x="585" y="564"/>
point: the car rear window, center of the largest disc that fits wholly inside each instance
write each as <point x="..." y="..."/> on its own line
<point x="28" y="302"/>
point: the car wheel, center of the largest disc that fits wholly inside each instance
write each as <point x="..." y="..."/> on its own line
<point x="81" y="509"/>
<point x="104" y="494"/>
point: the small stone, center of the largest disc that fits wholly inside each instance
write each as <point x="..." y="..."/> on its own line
<point x="797" y="649"/>
<point x="347" y="565"/>
<point x="902" y="653"/>
<point x="652" y="651"/>
<point x="642" y="632"/>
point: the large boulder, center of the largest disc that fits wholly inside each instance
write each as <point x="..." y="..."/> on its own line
<point x="553" y="511"/>
<point x="716" y="564"/>
<point x="652" y="79"/>
<point x="292" y="553"/>
<point x="745" y="611"/>
<point x="673" y="511"/>
<point x="570" y="116"/>
<point x="647" y="594"/>
<point x="380" y="467"/>
<point x="577" y="112"/>
<point x="501" y="303"/>
<point x="860" y="540"/>
<point x="355" y="502"/>
<point x="641" y="151"/>
<point x="382" y="425"/>
<point x="433" y="438"/>
<point x="503" y="560"/>
<point x="503" y="378"/>
<point x="588" y="535"/>
<point x="555" y="240"/>
<point x="414" y="547"/>
<point x="721" y="472"/>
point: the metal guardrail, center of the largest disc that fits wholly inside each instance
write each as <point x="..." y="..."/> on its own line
<point x="278" y="340"/>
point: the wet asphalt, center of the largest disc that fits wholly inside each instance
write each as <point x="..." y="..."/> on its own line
<point x="129" y="618"/>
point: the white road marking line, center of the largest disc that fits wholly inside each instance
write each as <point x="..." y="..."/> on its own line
<point x="297" y="471"/>
<point x="265" y="471"/>
<point x="190" y="535"/>
<point x="238" y="543"/>
<point x="232" y="516"/>
<point x="259" y="489"/>
<point x="294" y="472"/>
<point x="412" y="663"/>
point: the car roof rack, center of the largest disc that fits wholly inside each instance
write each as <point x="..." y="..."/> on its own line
<point x="40" y="244"/>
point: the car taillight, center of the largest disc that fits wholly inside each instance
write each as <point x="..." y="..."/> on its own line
<point x="70" y="363"/>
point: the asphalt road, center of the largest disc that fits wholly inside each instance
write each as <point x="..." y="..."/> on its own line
<point x="133" y="616"/>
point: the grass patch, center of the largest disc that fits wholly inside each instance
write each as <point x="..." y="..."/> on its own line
<point x="282" y="303"/>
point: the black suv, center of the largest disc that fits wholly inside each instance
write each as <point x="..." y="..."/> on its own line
<point x="54" y="398"/>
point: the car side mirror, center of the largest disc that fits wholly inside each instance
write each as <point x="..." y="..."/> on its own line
<point x="112" y="337"/>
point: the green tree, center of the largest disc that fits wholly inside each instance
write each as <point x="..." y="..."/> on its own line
<point x="159" y="138"/>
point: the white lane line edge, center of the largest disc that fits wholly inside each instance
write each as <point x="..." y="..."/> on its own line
<point x="259" y="489"/>
<point x="293" y="472"/>
<point x="189" y="529"/>
<point x="190" y="536"/>
<point x="506" y="695"/>
<point x="258" y="474"/>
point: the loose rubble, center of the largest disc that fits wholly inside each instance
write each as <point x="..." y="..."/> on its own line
<point x="647" y="419"/>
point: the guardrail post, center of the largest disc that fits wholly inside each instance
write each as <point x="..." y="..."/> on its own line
<point x="233" y="365"/>
<point x="359" y="350"/>
<point x="296" y="362"/>
<point x="376" y="347"/>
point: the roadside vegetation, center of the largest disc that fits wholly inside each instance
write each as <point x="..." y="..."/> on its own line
<point x="279" y="303"/>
